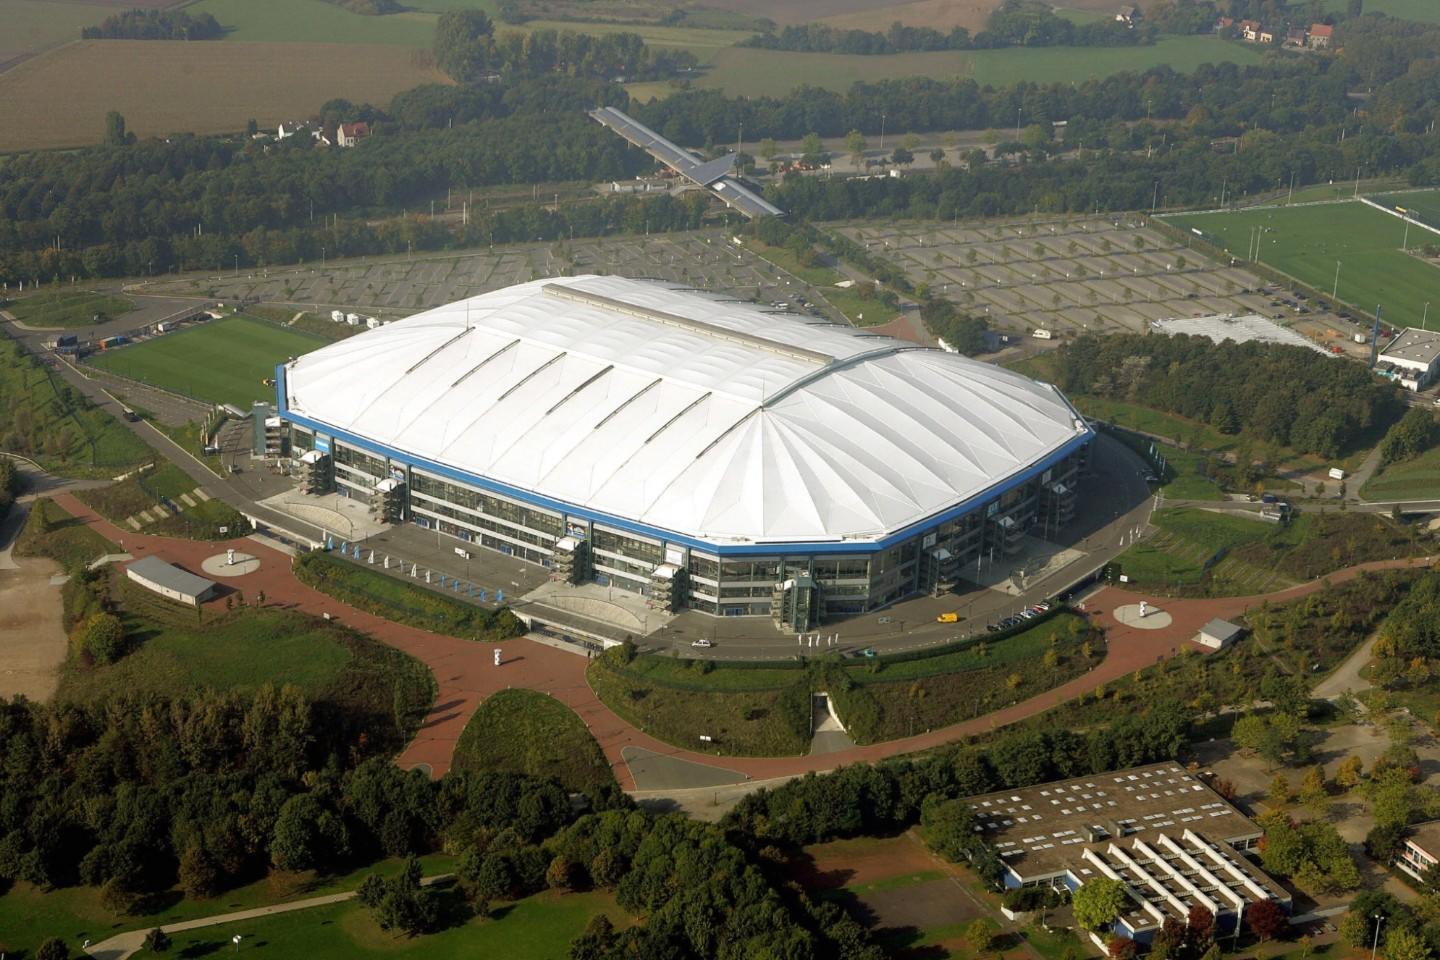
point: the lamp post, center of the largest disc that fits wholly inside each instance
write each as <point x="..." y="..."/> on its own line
<point x="1335" y="290"/>
<point x="1379" y="919"/>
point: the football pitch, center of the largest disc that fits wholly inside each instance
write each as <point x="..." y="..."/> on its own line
<point x="224" y="361"/>
<point x="1360" y="244"/>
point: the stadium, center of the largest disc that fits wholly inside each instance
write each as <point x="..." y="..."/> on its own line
<point x="704" y="452"/>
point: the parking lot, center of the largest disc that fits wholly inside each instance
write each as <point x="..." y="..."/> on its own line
<point x="400" y="286"/>
<point x="1075" y="274"/>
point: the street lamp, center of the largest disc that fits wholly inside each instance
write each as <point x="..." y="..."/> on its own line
<point x="1379" y="919"/>
<point x="1335" y="290"/>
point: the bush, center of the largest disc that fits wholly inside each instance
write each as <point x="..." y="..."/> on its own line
<point x="102" y="636"/>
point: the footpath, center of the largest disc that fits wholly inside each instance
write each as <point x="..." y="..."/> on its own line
<point x="465" y="672"/>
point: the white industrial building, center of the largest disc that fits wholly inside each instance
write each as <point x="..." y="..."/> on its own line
<point x="628" y="431"/>
<point x="1412" y="359"/>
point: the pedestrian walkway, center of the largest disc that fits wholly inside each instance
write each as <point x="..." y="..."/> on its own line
<point x="465" y="672"/>
<point x="122" y="945"/>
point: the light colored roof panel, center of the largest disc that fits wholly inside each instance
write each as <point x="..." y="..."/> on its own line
<point x="714" y="419"/>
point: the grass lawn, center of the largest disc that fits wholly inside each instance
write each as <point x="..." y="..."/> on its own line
<point x="223" y="361"/>
<point x="1417" y="479"/>
<point x="537" y="928"/>
<point x="338" y="669"/>
<point x="133" y="494"/>
<point x="1426" y="11"/>
<point x="524" y="731"/>
<point x="57" y="426"/>
<point x="68" y="308"/>
<point x="307" y="323"/>
<point x="29" y="915"/>
<point x="858" y="310"/>
<point x="743" y="71"/>
<point x="1423" y="205"/>
<point x="51" y="532"/>
<point x="1307" y="243"/>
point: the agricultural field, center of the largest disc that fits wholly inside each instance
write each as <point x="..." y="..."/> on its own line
<point x="743" y="71"/>
<point x="398" y="286"/>
<point x="64" y="309"/>
<point x="223" y="361"/>
<point x="1065" y="274"/>
<point x="32" y="26"/>
<point x="1309" y="242"/>
<point x="1425" y="11"/>
<point x="60" y="99"/>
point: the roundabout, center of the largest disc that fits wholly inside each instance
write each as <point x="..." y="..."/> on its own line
<point x="1142" y="616"/>
<point x="231" y="563"/>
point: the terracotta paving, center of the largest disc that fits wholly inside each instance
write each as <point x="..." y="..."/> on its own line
<point x="465" y="672"/>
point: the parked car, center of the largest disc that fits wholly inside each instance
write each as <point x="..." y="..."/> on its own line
<point x="702" y="642"/>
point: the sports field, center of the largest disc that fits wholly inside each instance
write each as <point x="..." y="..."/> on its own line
<point x="1308" y="242"/>
<point x="225" y="361"/>
<point x="1423" y="205"/>
<point x="60" y="99"/>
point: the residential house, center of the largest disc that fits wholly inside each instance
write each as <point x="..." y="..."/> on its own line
<point x="291" y="127"/>
<point x="1223" y="24"/>
<point x="349" y="134"/>
<point x="1420" y="850"/>
<point x="1295" y="37"/>
<point x="1267" y="36"/>
<point x="1128" y="15"/>
<point x="1320" y="35"/>
<point x="1250" y="30"/>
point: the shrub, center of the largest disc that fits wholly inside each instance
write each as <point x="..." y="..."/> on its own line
<point x="102" y="636"/>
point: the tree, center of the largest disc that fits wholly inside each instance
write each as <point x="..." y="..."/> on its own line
<point x="307" y="835"/>
<point x="53" y="949"/>
<point x="1266" y="919"/>
<point x="980" y="933"/>
<point x="1098" y="902"/>
<point x="767" y="150"/>
<point x="937" y="156"/>
<point x="156" y="941"/>
<point x="400" y="903"/>
<point x="902" y="157"/>
<point x="198" y="873"/>
<point x="812" y="150"/>
<point x="463" y="43"/>
<point x="1121" y="948"/>
<point x="1278" y="795"/>
<point x="115" y="135"/>
<point x="1347" y="775"/>
<point x="1406" y="945"/>
<point x="1313" y="792"/>
<point x="855" y="143"/>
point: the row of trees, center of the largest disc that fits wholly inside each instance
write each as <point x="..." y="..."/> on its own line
<point x="1284" y="395"/>
<point x="156" y="25"/>
<point x="467" y="48"/>
<point x="885" y="797"/>
<point x="1027" y="23"/>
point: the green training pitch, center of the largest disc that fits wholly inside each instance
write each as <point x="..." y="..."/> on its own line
<point x="224" y="361"/>
<point x="1308" y="242"/>
<point x="1423" y="205"/>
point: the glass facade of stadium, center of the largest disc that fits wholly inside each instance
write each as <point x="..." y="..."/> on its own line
<point x="795" y="587"/>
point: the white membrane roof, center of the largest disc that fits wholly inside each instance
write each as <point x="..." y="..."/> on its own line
<point x="676" y="409"/>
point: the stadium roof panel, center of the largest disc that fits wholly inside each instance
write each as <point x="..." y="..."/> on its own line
<point x="684" y="412"/>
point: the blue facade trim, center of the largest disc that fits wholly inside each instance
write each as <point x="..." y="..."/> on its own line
<point x="1079" y="441"/>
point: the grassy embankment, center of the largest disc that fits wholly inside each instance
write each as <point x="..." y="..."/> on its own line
<point x="524" y="731"/>
<point x="764" y="710"/>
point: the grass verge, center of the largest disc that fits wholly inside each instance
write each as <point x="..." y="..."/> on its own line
<point x="404" y="603"/>
<point x="1417" y="479"/>
<point x="51" y="532"/>
<point x="524" y="731"/>
<point x="69" y="308"/>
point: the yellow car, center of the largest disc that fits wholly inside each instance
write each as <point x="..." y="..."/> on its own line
<point x="948" y="618"/>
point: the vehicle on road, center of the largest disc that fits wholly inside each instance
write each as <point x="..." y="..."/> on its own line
<point x="951" y="617"/>
<point x="703" y="643"/>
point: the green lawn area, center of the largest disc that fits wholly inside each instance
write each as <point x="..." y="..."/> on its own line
<point x="1339" y="190"/>
<point x="858" y="310"/>
<point x="51" y="532"/>
<point x="68" y="308"/>
<point x="743" y="71"/>
<point x="1307" y="242"/>
<point x="524" y="731"/>
<point x="389" y="691"/>
<point x="537" y="928"/>
<point x="1245" y="556"/>
<point x="1417" y="479"/>
<point x="44" y="418"/>
<point x="29" y="915"/>
<point x="223" y="361"/>
<point x="133" y="494"/>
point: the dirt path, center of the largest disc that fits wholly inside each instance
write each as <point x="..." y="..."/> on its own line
<point x="32" y="638"/>
<point x="465" y="673"/>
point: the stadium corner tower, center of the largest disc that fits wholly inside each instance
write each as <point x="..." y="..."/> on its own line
<point x="702" y="451"/>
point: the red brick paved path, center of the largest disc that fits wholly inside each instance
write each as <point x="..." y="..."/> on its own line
<point x="465" y="673"/>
